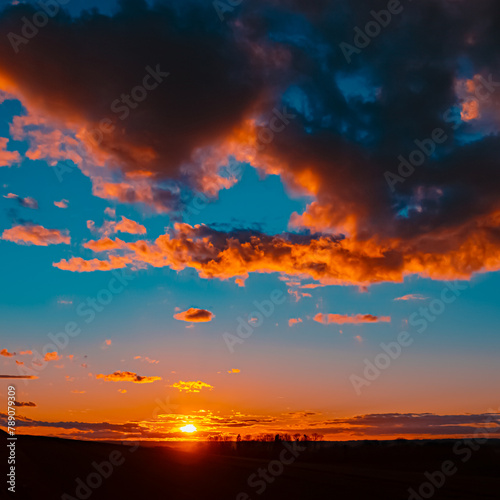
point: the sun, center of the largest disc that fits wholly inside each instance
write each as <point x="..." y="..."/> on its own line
<point x="189" y="428"/>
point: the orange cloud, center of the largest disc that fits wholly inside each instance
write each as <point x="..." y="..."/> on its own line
<point x="19" y="362"/>
<point x="35" y="235"/>
<point x="110" y="227"/>
<point x="26" y="352"/>
<point x="148" y="360"/>
<point x="61" y="204"/>
<point x="27" y="202"/>
<point x="294" y="321"/>
<point x="6" y="353"/>
<point x="234" y="370"/>
<point x="51" y="356"/>
<point x="341" y="319"/>
<point x="7" y="158"/>
<point x="74" y="391"/>
<point x="191" y="386"/>
<point x="129" y="226"/>
<point x="194" y="315"/>
<point x="124" y="376"/>
<point x="327" y="259"/>
<point x="77" y="264"/>
<point x="106" y="344"/>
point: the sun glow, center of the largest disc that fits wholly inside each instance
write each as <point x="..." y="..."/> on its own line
<point x="188" y="428"/>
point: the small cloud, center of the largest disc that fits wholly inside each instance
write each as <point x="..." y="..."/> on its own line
<point x="61" y="204"/>
<point x="125" y="376"/>
<point x="51" y="356"/>
<point x="194" y="315"/>
<point x="106" y="344"/>
<point x="191" y="386"/>
<point x="234" y="370"/>
<point x="341" y="319"/>
<point x="412" y="296"/>
<point x="129" y="226"/>
<point x="19" y="362"/>
<point x="122" y="391"/>
<point x="359" y="338"/>
<point x="27" y="202"/>
<point x="240" y="282"/>
<point x="33" y="234"/>
<point x="84" y="365"/>
<point x="6" y="353"/>
<point x="148" y="360"/>
<point x="69" y="378"/>
<point x="110" y="212"/>
<point x="26" y="404"/>
<point x="294" y="321"/>
<point x="22" y="353"/>
<point x="65" y="302"/>
<point x="74" y="391"/>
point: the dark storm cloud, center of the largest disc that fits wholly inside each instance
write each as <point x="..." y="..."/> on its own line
<point x="353" y="120"/>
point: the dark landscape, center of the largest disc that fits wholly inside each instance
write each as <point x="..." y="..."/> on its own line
<point x="48" y="468"/>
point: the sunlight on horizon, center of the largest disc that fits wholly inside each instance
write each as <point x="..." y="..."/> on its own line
<point x="188" y="428"/>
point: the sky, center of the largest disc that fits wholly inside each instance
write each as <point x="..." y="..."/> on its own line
<point x="250" y="219"/>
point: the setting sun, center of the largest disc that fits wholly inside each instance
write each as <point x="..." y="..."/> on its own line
<point x="188" y="428"/>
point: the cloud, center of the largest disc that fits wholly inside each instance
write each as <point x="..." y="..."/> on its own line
<point x="412" y="296"/>
<point x="65" y="302"/>
<point x="234" y="370"/>
<point x="148" y="360"/>
<point x="129" y="226"/>
<point x="341" y="319"/>
<point x="75" y="391"/>
<point x="294" y="321"/>
<point x="107" y="343"/>
<point x="19" y="376"/>
<point x="110" y="227"/>
<point x="195" y="315"/>
<point x="79" y="265"/>
<point x="61" y="204"/>
<point x="24" y="202"/>
<point x="6" y="353"/>
<point x="124" y="376"/>
<point x="7" y="158"/>
<point x="191" y="386"/>
<point x="32" y="234"/>
<point x="51" y="356"/>
<point x="345" y="124"/>
<point x="25" y="404"/>
<point x="29" y="353"/>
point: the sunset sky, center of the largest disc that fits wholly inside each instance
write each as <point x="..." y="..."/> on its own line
<point x="221" y="213"/>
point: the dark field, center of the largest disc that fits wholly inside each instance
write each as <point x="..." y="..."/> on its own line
<point x="48" y="468"/>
